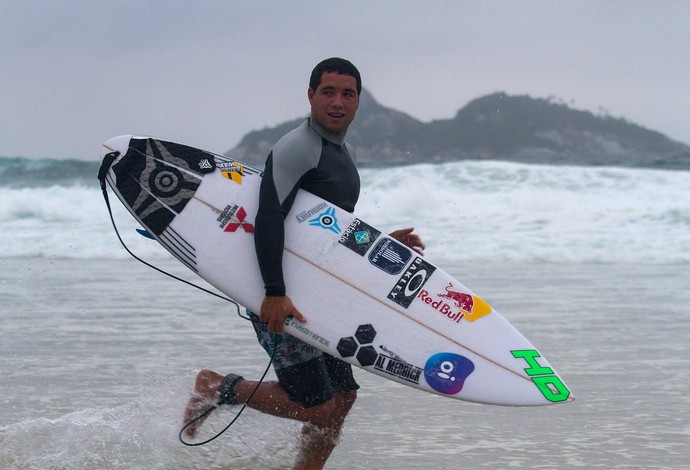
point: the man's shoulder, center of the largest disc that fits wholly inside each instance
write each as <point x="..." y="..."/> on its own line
<point x="351" y="150"/>
<point x="298" y="141"/>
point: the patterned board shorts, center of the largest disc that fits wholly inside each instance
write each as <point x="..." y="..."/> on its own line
<point x="307" y="374"/>
<point x="291" y="351"/>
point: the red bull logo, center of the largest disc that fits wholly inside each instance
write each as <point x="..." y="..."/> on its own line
<point x="466" y="305"/>
<point x="460" y="299"/>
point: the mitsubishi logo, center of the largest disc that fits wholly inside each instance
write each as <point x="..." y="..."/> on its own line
<point x="241" y="215"/>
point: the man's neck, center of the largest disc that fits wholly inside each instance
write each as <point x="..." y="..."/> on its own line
<point x="329" y="136"/>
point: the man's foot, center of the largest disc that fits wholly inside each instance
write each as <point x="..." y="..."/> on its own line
<point x="204" y="399"/>
<point x="198" y="409"/>
<point x="210" y="390"/>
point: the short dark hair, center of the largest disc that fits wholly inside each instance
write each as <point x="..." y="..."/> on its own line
<point x="337" y="65"/>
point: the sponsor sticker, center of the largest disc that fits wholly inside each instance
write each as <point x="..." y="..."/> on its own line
<point x="390" y="256"/>
<point x="326" y="220"/>
<point x="411" y="282"/>
<point x="227" y="214"/>
<point x="546" y="380"/>
<point x="309" y="213"/>
<point x="440" y="306"/>
<point x="461" y="305"/>
<point x="446" y="372"/>
<point x="290" y="321"/>
<point x="472" y="306"/>
<point x="396" y="367"/>
<point x="359" y="237"/>
<point x="234" y="217"/>
<point x="360" y="346"/>
<point x="232" y="171"/>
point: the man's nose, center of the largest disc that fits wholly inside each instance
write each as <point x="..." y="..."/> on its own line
<point x="337" y="100"/>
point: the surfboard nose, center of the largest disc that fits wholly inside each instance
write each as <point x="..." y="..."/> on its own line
<point x="116" y="144"/>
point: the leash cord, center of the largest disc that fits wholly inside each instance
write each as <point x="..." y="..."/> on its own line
<point x="213" y="407"/>
<point x="107" y="162"/>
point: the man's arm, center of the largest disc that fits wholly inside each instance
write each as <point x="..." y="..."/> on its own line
<point x="269" y="239"/>
<point x="269" y="232"/>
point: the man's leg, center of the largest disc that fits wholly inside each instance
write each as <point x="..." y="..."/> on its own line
<point x="322" y="423"/>
<point x="318" y="442"/>
<point x="270" y="398"/>
<point x="314" y="388"/>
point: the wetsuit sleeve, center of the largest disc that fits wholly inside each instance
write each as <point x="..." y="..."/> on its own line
<point x="293" y="162"/>
<point x="269" y="230"/>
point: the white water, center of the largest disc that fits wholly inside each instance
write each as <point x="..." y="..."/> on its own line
<point x="466" y="212"/>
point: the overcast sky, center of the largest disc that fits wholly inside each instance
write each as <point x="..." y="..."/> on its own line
<point x="75" y="73"/>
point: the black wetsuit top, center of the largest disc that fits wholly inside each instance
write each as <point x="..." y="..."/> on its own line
<point x="310" y="158"/>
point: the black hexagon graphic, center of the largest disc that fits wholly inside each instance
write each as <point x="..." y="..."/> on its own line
<point x="347" y="347"/>
<point x="367" y="355"/>
<point x="365" y="334"/>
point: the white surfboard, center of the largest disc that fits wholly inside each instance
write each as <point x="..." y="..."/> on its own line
<point x="368" y="299"/>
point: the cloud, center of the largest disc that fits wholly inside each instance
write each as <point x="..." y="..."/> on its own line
<point x="78" y="72"/>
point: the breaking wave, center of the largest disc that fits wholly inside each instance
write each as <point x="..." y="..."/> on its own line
<point x="465" y="211"/>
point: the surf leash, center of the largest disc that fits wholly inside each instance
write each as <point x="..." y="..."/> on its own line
<point x="205" y="414"/>
<point x="102" y="173"/>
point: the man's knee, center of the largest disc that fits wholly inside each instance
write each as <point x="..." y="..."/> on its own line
<point x="345" y="401"/>
<point x="333" y="412"/>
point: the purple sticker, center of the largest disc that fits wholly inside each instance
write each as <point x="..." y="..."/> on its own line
<point x="446" y="372"/>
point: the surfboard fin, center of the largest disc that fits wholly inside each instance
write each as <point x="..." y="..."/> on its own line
<point x="145" y="233"/>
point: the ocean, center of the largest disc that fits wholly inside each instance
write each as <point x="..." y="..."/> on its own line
<point x="592" y="264"/>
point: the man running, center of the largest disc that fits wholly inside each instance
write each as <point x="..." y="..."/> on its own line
<point x="313" y="387"/>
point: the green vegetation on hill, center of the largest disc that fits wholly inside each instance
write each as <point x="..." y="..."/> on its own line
<point x="493" y="127"/>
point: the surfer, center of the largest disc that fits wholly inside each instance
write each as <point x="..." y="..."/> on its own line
<point x="313" y="387"/>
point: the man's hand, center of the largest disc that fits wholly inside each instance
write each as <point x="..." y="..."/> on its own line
<point x="275" y="310"/>
<point x="409" y="239"/>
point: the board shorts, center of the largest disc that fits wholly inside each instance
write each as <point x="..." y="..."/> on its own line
<point x="308" y="375"/>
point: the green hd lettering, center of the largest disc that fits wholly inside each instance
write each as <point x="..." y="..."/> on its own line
<point x="530" y="356"/>
<point x="544" y="378"/>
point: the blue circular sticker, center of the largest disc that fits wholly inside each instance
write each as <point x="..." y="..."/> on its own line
<point x="446" y="372"/>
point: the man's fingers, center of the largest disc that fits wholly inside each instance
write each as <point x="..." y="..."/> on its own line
<point x="298" y="316"/>
<point x="276" y="326"/>
<point x="275" y="310"/>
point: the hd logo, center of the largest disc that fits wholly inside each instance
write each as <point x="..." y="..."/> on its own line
<point x="360" y="346"/>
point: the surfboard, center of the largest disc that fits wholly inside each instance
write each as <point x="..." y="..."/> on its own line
<point x="368" y="299"/>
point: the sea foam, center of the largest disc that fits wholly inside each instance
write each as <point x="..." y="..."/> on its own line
<point x="466" y="212"/>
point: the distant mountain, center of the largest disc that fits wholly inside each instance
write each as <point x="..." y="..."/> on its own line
<point x="493" y="127"/>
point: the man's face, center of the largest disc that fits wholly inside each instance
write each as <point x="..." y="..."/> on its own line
<point x="334" y="102"/>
